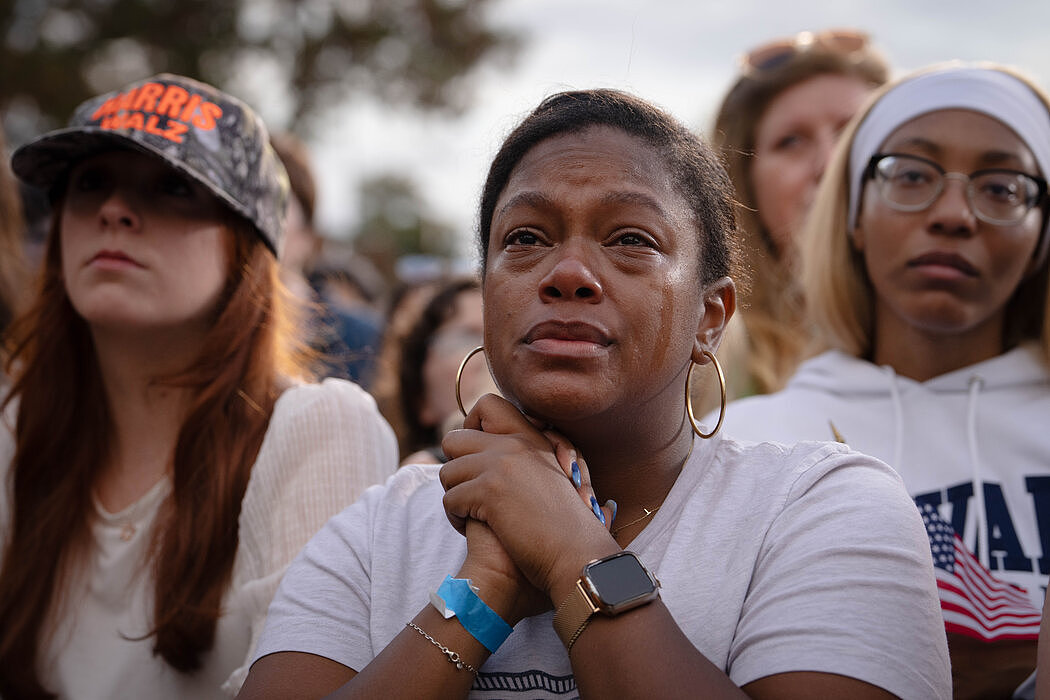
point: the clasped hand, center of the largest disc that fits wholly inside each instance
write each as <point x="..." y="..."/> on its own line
<point x="509" y="489"/>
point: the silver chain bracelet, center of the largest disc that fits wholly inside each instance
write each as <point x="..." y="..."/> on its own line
<point x="453" y="657"/>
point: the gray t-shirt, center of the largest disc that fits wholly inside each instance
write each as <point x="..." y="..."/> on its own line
<point x="772" y="558"/>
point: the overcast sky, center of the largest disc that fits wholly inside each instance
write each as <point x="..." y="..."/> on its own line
<point x="680" y="54"/>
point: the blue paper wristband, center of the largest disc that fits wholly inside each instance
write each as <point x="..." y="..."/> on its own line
<point x="483" y="623"/>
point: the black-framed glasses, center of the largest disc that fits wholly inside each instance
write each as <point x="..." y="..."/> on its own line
<point x="780" y="51"/>
<point x="997" y="196"/>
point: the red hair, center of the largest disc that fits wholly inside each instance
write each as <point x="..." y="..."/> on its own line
<point x="234" y="383"/>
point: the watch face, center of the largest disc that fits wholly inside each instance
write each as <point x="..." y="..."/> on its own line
<point x="620" y="579"/>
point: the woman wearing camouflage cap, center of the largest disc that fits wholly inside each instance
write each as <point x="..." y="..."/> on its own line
<point x="162" y="458"/>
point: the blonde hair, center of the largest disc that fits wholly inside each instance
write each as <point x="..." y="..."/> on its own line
<point x="772" y="341"/>
<point x="839" y="296"/>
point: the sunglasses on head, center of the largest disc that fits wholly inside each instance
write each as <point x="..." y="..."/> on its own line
<point x="780" y="51"/>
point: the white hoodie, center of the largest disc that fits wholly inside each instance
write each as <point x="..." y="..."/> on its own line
<point x="985" y="426"/>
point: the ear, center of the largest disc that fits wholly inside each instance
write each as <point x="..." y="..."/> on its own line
<point x="719" y="303"/>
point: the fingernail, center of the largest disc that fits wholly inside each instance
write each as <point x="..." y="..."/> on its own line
<point x="597" y="510"/>
<point x="576" y="480"/>
<point x="612" y="504"/>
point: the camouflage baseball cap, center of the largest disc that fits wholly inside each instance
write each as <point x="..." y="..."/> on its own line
<point x="213" y="138"/>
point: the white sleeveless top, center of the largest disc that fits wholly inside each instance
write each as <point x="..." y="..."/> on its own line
<point x="325" y="444"/>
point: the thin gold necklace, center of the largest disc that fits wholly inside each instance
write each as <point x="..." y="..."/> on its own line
<point x="650" y="513"/>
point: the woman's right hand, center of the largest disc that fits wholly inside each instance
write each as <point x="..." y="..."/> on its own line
<point x="484" y="550"/>
<point x="518" y="480"/>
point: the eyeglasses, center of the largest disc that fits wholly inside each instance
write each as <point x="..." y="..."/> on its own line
<point x="997" y="196"/>
<point x="777" y="52"/>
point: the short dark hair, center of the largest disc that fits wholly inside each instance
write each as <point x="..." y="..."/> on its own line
<point x="695" y="170"/>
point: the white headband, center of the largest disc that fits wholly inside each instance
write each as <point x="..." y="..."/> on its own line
<point x="986" y="90"/>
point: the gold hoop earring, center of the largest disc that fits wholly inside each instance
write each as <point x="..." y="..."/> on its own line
<point x="459" y="377"/>
<point x="689" y="398"/>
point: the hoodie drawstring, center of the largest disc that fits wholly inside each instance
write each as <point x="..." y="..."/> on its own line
<point x="898" y="418"/>
<point x="976" y="382"/>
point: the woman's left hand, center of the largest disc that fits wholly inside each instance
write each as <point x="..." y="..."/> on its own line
<point x="518" y="480"/>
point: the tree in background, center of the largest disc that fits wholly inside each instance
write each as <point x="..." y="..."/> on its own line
<point x="294" y="60"/>
<point x="393" y="224"/>
<point x="302" y="56"/>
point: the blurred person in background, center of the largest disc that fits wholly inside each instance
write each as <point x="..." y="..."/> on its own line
<point x="776" y="128"/>
<point x="13" y="234"/>
<point x="404" y="308"/>
<point x="164" y="455"/>
<point x="448" y="328"/>
<point x="417" y="279"/>
<point x="346" y="340"/>
<point x="347" y="280"/>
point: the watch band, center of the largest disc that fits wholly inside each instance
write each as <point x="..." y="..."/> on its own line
<point x="573" y="615"/>
<point x="611" y="585"/>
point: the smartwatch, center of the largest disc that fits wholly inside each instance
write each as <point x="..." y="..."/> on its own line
<point x="610" y="585"/>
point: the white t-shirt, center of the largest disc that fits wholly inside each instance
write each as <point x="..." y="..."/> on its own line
<point x="771" y="559"/>
<point x="324" y="445"/>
